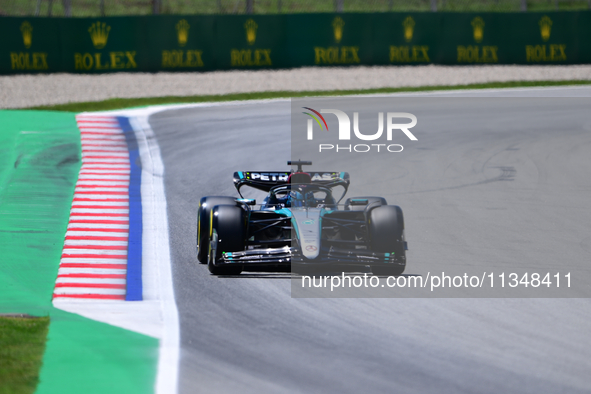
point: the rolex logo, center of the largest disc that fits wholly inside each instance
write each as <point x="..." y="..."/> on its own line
<point x="251" y="31"/>
<point x="99" y="34"/>
<point x="409" y="27"/>
<point x="545" y="27"/>
<point x="182" y="32"/>
<point x="337" y="25"/>
<point x="478" y="26"/>
<point x="27" y="31"/>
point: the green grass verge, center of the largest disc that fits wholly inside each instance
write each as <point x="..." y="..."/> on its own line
<point x="119" y="103"/>
<point x="22" y="341"/>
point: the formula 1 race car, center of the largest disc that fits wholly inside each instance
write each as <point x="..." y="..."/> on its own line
<point x="299" y="224"/>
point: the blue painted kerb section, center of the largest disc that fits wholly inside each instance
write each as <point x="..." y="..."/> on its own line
<point x="134" y="248"/>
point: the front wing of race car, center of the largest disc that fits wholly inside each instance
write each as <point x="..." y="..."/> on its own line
<point x="287" y="255"/>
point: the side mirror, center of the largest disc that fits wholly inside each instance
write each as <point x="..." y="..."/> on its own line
<point x="358" y="201"/>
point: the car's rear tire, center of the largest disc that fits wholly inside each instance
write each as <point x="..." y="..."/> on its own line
<point x="386" y="231"/>
<point x="372" y="202"/>
<point x="227" y="234"/>
<point x="205" y="206"/>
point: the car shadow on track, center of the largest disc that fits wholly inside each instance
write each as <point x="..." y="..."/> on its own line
<point x="263" y="275"/>
<point x="282" y="275"/>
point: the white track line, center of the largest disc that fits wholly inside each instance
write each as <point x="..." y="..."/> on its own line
<point x="157" y="251"/>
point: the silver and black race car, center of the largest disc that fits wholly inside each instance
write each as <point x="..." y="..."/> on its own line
<point x="299" y="224"/>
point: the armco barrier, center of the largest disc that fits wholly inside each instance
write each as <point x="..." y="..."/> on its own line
<point x="199" y="43"/>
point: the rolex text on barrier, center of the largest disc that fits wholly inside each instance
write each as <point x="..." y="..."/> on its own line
<point x="224" y="42"/>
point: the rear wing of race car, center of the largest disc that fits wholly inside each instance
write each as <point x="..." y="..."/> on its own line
<point x="266" y="180"/>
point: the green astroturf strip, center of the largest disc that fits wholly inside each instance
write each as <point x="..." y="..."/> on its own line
<point x="85" y="356"/>
<point x="22" y="341"/>
<point x="39" y="164"/>
<point x="118" y="103"/>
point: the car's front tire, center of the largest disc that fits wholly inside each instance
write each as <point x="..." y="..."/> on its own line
<point x="227" y="234"/>
<point x="386" y="231"/>
<point x="203" y="223"/>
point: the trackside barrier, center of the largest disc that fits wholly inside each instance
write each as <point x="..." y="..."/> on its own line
<point x="222" y="42"/>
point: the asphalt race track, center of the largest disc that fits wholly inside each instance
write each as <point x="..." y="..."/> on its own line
<point x="246" y="334"/>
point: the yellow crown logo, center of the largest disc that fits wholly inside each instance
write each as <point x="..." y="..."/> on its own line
<point x="478" y="26"/>
<point x="182" y="32"/>
<point x="99" y="34"/>
<point x="337" y="24"/>
<point x="409" y="27"/>
<point x="251" y="31"/>
<point x="27" y="31"/>
<point x="545" y="27"/>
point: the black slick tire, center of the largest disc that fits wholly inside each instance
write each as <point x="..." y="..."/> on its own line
<point x="227" y="234"/>
<point x="386" y="231"/>
<point x="205" y="206"/>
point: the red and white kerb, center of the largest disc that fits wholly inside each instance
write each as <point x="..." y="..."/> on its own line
<point x="94" y="259"/>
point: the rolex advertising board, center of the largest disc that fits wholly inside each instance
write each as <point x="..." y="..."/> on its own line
<point x="411" y="38"/>
<point x="180" y="43"/>
<point x="29" y="45"/>
<point x="475" y="39"/>
<point x="255" y="41"/>
<point x="329" y="39"/>
<point x="214" y="42"/>
<point x="546" y="39"/>
<point x="103" y="44"/>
